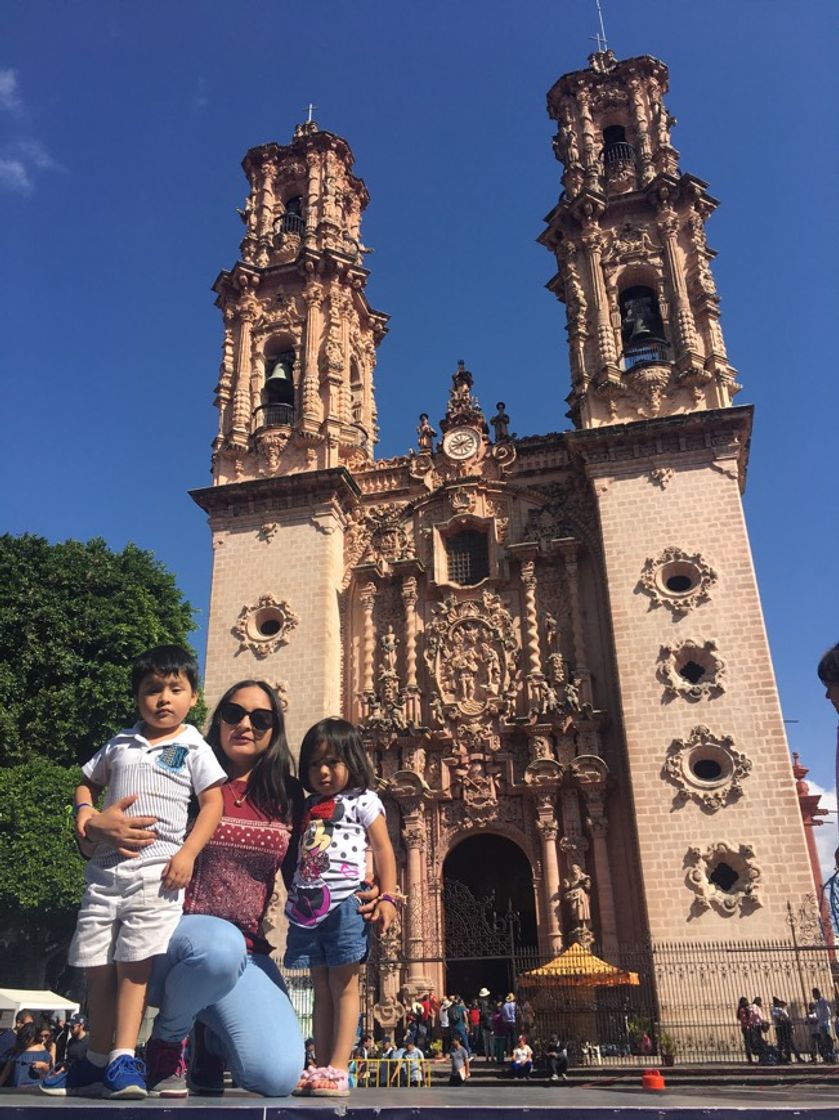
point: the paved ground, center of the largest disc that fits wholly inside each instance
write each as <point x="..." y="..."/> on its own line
<point x="501" y="1101"/>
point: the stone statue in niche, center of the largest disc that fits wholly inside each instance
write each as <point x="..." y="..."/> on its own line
<point x="551" y="632"/>
<point x="389" y="645"/>
<point x="501" y="423"/>
<point x="425" y="433"/>
<point x="576" y="891"/>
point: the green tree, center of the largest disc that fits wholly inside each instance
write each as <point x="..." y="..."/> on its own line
<point x="41" y="876"/>
<point x="73" y="616"/>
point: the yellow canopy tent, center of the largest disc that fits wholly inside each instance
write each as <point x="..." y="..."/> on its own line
<point x="576" y="967"/>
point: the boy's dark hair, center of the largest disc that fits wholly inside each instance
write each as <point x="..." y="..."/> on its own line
<point x="344" y="739"/>
<point x="164" y="661"/>
<point x="828" y="669"/>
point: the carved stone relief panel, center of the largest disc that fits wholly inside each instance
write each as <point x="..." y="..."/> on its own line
<point x="471" y="653"/>
<point x="707" y="769"/>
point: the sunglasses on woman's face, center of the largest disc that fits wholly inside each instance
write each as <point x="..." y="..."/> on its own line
<point x="262" y="719"/>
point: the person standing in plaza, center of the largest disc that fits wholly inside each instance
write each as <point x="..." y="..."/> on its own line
<point x="485" y="1005"/>
<point x="459" y="1056"/>
<point x="783" y="1031"/>
<point x="824" y="1016"/>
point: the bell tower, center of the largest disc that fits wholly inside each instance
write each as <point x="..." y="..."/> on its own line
<point x="295" y="389"/>
<point x="633" y="263"/>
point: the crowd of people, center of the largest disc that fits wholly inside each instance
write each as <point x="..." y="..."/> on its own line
<point x="32" y="1047"/>
<point x="756" y="1026"/>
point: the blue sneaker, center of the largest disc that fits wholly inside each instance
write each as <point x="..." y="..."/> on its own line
<point x="125" y="1079"/>
<point x="81" y="1079"/>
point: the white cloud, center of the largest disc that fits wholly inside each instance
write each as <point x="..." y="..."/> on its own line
<point x="14" y="176"/>
<point x="19" y="163"/>
<point x="826" y="834"/>
<point x="200" y="99"/>
<point x="9" y="96"/>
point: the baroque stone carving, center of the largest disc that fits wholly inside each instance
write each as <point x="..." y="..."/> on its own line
<point x="262" y="626"/>
<point x="707" y="769"/>
<point x="677" y="580"/>
<point x="471" y="654"/>
<point x="378" y="535"/>
<point x="724" y="877"/>
<point x="691" y="669"/>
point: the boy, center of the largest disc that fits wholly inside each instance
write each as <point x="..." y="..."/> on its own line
<point x="132" y="905"/>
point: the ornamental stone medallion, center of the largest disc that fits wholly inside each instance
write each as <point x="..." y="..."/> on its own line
<point x="677" y="580"/>
<point x="706" y="769"/>
<point x="262" y="626"/>
<point x="724" y="878"/>
<point x="692" y="670"/>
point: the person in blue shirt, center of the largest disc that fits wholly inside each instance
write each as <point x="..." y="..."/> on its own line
<point x="29" y="1060"/>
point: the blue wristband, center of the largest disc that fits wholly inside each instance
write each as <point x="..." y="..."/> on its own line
<point x="81" y="805"/>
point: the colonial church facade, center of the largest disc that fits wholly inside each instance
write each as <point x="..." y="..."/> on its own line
<point x="554" y="644"/>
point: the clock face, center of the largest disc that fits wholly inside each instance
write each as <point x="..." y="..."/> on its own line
<point x="461" y="443"/>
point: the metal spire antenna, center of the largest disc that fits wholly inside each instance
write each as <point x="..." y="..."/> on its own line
<point x="311" y="108"/>
<point x="600" y="38"/>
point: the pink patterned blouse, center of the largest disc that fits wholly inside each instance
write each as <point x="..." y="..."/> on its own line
<point x="234" y="874"/>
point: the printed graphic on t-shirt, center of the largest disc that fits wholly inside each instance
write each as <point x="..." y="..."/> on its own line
<point x="331" y="862"/>
<point x="172" y="758"/>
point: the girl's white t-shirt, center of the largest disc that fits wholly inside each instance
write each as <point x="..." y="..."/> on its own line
<point x="332" y="860"/>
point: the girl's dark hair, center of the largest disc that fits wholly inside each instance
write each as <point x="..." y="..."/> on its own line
<point x="268" y="785"/>
<point x="343" y="739"/>
<point x="828" y="669"/>
<point x="26" y="1035"/>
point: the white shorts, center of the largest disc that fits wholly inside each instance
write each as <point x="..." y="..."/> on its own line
<point x="126" y="914"/>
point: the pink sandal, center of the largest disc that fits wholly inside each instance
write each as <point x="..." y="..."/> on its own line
<point x="303" y="1088"/>
<point x="337" y="1083"/>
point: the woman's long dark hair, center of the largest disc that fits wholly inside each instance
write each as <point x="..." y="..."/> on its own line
<point x="26" y="1035"/>
<point x="268" y="784"/>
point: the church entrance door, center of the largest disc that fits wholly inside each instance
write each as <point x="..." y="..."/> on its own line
<point x="489" y="914"/>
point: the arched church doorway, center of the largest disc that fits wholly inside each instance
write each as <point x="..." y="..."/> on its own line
<point x="489" y="914"/>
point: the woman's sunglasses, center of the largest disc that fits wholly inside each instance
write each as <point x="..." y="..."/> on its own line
<point x="262" y="719"/>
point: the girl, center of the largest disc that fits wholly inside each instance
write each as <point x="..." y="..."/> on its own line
<point x="29" y="1061"/>
<point x="327" y="933"/>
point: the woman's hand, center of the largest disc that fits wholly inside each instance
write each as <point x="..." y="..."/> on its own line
<point x="128" y="835"/>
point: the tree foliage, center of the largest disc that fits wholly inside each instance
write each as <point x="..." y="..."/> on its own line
<point x="73" y="616"/>
<point x="41" y="870"/>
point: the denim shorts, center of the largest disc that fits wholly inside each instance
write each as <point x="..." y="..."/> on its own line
<point x="343" y="937"/>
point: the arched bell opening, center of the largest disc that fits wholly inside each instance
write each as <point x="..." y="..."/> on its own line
<point x="293" y="220"/>
<point x="617" y="151"/>
<point x="278" y="388"/>
<point x="489" y="913"/>
<point x="642" y="329"/>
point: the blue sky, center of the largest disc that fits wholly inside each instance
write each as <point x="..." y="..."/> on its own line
<point x="122" y="127"/>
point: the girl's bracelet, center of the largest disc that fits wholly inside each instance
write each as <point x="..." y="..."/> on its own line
<point x="389" y="898"/>
<point x="81" y="805"/>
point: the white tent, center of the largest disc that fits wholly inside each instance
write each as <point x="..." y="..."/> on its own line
<point x="13" y="1000"/>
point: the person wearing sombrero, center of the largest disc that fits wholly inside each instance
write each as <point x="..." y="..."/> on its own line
<point x="486" y="1009"/>
<point x="509" y="1016"/>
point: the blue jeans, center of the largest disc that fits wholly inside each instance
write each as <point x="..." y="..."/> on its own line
<point x="241" y="999"/>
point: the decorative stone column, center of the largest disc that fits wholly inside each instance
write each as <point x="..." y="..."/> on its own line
<point x="592" y="238"/>
<point x="642" y="129"/>
<point x="412" y="695"/>
<point x="414" y="837"/>
<point x="535" y="678"/>
<point x="598" y="826"/>
<point x="309" y="397"/>
<point x="242" y="407"/>
<point x="368" y="647"/>
<point x="569" y="548"/>
<point x="685" y="328"/>
<point x="265" y="207"/>
<point x="225" y="378"/>
<point x="548" y="827"/>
